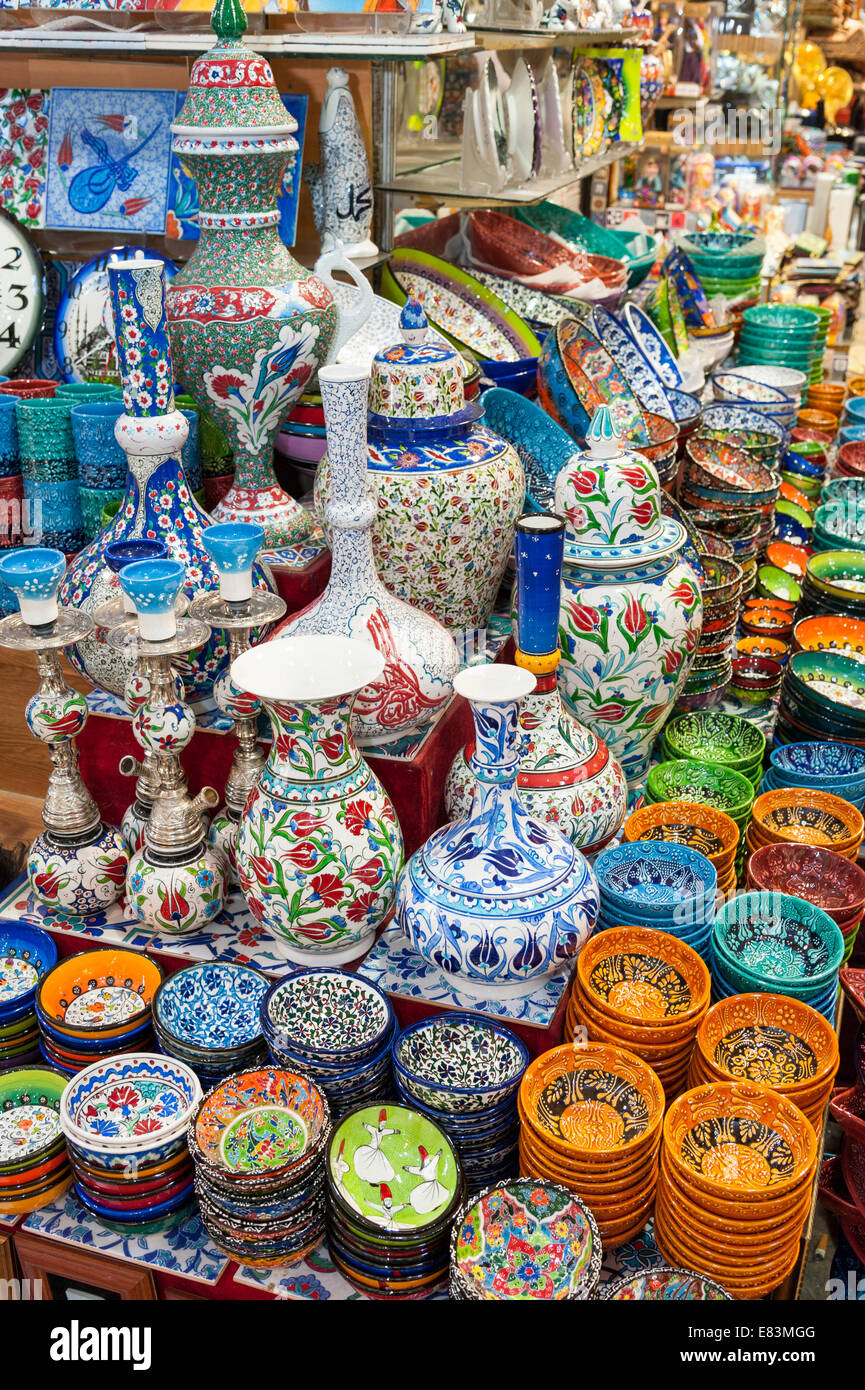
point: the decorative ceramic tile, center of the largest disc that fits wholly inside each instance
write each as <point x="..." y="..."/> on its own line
<point x="233" y="936"/>
<point x="395" y="967"/>
<point x="109" y="159"/>
<point x="182" y="217"/>
<point x="315" y="1279"/>
<point x="23" y="154"/>
<point x="639" y="1253"/>
<point x="184" y="1250"/>
<point x="9" y="1221"/>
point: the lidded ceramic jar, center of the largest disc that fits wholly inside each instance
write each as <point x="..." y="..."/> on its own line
<point x="448" y="490"/>
<point x="631" y="611"/>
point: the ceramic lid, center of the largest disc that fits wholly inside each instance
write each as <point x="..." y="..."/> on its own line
<point x="417" y="378"/>
<point x="608" y="495"/>
<point x="231" y="87"/>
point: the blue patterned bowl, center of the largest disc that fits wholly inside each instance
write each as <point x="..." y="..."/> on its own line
<point x="459" y="1062"/>
<point x="330" y="1015"/>
<point x="656" y="879"/>
<point x="159" y="1096"/>
<point x="25" y="953"/>
<point x="742" y="417"/>
<point x="774" y="940"/>
<point x="212" y="1006"/>
<point x="801" y="762"/>
<point x="543" y="446"/>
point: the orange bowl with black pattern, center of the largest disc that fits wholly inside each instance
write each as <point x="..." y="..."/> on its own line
<point x="803" y="816"/>
<point x="647" y="1043"/>
<point x="592" y="1100"/>
<point x="645" y="979"/>
<point x="704" y="828"/>
<point x="771" y="1039"/>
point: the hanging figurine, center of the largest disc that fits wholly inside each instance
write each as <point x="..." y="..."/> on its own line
<point x="340" y="185"/>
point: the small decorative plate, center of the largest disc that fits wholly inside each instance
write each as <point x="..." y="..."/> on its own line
<point x="260" y="1122"/>
<point x="328" y="1012"/>
<point x="83" y="332"/>
<point x="22" y="292"/>
<point x="653" y="346"/>
<point x="212" y="1004"/>
<point x="393" y="1168"/>
<point x="528" y="303"/>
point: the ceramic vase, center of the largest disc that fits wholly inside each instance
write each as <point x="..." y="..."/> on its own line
<point x="448" y="491"/>
<point x="249" y="326"/>
<point x="158" y="502"/>
<point x="501" y="901"/>
<point x="631" y="611"/>
<point x="567" y="775"/>
<point x="319" y="847"/>
<point x="340" y="185"/>
<point x="420" y="655"/>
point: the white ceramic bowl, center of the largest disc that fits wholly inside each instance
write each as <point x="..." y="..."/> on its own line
<point x="112" y="1083"/>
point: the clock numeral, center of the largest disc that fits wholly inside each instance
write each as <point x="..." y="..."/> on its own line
<point x="15" y="253"/>
<point x="20" y="294"/>
<point x="8" y="337"/>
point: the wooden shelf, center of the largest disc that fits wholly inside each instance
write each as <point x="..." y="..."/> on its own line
<point x="502" y="39"/>
<point x="441" y="182"/>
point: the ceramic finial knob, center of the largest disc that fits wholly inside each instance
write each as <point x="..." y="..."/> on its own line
<point x="602" y="437"/>
<point x="228" y="20"/>
<point x="413" y="322"/>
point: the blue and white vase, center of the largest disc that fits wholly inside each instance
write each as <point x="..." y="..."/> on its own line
<point x="340" y="186"/>
<point x="420" y="654"/>
<point x="501" y="901"/>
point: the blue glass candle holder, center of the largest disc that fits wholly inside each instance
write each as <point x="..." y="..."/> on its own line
<point x="540" y="544"/>
<point x="153" y="586"/>
<point x="34" y="575"/>
<point x="233" y="547"/>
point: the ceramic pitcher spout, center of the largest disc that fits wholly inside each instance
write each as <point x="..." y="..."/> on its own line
<point x="349" y="320"/>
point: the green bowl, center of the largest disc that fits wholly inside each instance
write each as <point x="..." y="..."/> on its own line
<point x="839" y="574"/>
<point x="717" y="738"/>
<point x="692" y="779"/>
<point x="780" y="316"/>
<point x="775" y="583"/>
<point x="844" y="674"/>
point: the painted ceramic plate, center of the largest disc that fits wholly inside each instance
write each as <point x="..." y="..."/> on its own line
<point x="653" y="346"/>
<point x="260" y="1122"/>
<point x="83" y="332"/>
<point x="527" y="1239"/>
<point x="664" y="1285"/>
<point x="469" y="314"/>
<point x="393" y="1168"/>
<point x="381" y="330"/>
<point x="638" y="373"/>
<point x="328" y="1011"/>
<point x="212" y="1004"/>
<point x="598" y="381"/>
<point x="22" y="292"/>
<point x="546" y="309"/>
<point x="587" y="127"/>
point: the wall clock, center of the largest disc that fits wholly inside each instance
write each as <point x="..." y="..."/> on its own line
<point x="83" y="333"/>
<point x="22" y="289"/>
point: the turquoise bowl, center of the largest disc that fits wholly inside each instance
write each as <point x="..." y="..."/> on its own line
<point x="777" y="940"/>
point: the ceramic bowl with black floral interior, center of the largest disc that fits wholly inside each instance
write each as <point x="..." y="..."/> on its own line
<point x="800" y="815"/>
<point x="663" y="1285"/>
<point x="701" y="827"/>
<point x="775" y="942"/>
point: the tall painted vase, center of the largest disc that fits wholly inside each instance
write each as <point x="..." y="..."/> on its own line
<point x="158" y="503"/>
<point x="249" y="326"/>
<point x="319" y="847"/>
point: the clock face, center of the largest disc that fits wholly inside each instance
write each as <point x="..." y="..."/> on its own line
<point x="83" y="332"/>
<point x="21" y="293"/>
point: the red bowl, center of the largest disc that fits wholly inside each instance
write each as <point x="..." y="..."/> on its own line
<point x="802" y="435"/>
<point x="832" y="1189"/>
<point x="853" y="984"/>
<point x="848" y="1108"/>
<point x="756" y="672"/>
<point x="29" y="388"/>
<point x="852" y="457"/>
<point x="819" y="875"/>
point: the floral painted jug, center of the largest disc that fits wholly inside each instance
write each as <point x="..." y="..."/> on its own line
<point x="631" y="611"/>
<point x="448" y="490"/>
<point x="249" y="326"/>
<point x="319" y="847"/>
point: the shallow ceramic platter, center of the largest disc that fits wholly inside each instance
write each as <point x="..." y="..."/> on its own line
<point x="400" y="1150"/>
<point x="260" y="1123"/>
<point x="653" y="346"/>
<point x="465" y="310"/>
<point x="640" y="376"/>
<point x="328" y="1013"/>
<point x="597" y="380"/>
<point x="528" y="303"/>
<point x="664" y="1285"/>
<point x="213" y="1005"/>
<point x="526" y="1239"/>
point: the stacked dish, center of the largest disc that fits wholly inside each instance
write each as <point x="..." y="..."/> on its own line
<point x="823" y="693"/>
<point x="394" y="1185"/>
<point x="734" y="481"/>
<point x="710" y="784"/>
<point x="726" y="739"/>
<point x="771" y="943"/>
<point x="34" y="1163"/>
<point x="591" y="1119"/>
<point x="663" y="1285"/>
<point x="759" y="395"/>
<point x="96" y="1004"/>
<point x="737" y="1166"/>
<point x="665" y="887"/>
<point x="701" y="827"/>
<point x="839" y="525"/>
<point x="823" y="878"/>
<point x="338" y="1029"/>
<point x="784" y="335"/>
<point x="727" y="263"/>
<point x="711" y="667"/>
<point x="258" y="1141"/>
<point x="798" y="815"/>
<point x="754" y="679"/>
<point x="776" y="1041"/>
<point x="125" y="1122"/>
<point x="838" y="768"/>
<point x="207" y="1016"/>
<point x="554" y="1232"/>
<point x="834" y="585"/>
<point x="26" y="953"/>
<point x="849" y="465"/>
<point x="463" y="1072"/>
<point x="645" y="991"/>
<point x="786" y="379"/>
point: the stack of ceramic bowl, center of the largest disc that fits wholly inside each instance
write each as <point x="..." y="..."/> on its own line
<point x="762" y="619"/>
<point x="768" y="400"/>
<point x="785" y="379"/>
<point x="642" y="990"/>
<point x="711" y="668"/>
<point x="774" y="1040"/>
<point x="784" y="335"/>
<point x="837" y="768"/>
<point x="96" y="1004"/>
<point x="591" y="1119"/>
<point x="25" y="954"/>
<point x="728" y="263"/>
<point x="803" y="466"/>
<point x="824" y="319"/>
<point x="661" y="1284"/>
<point x="335" y="1027"/>
<point x="732" y="486"/>
<point x="302" y="442"/>
<point x="691" y="779"/>
<point x="701" y="827"/>
<point x="754" y="680"/>
<point x="774" y="584"/>
<point x="828" y="396"/>
<point x="125" y="1121"/>
<point x="799" y="815"/>
<point x="737" y="1167"/>
<point x="207" y="1016"/>
<point x="822" y="697"/>
<point x="740" y="530"/>
<point x="34" y="1163"/>
<point x="839" y="524"/>
<point x="834" y="585"/>
<point x="823" y="878"/>
<point x="463" y="1072"/>
<point x="258" y="1141"/>
<point x="727" y="739"/>
<point x="554" y="1232"/>
<point x="772" y="943"/>
<point x="394" y="1185"/>
<point x="665" y="887"/>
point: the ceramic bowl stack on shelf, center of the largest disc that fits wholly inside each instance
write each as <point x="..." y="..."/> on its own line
<point x="207" y="1016"/>
<point x="258" y="1142"/>
<point x="591" y="1119"/>
<point x="772" y="943"/>
<point x="754" y="680"/>
<point x="823" y="878"/>
<point x="834" y="585"/>
<point x="701" y="827"/>
<point x="734" y="489"/>
<point x="463" y="1072"/>
<point x="643" y="990"/>
<point x="34" y="1163"/>
<point x="837" y="768"/>
<point x="728" y="263"/>
<point x="712" y="665"/>
<point x="660" y="886"/>
<point x="849" y="465"/>
<point x="125" y="1121"/>
<point x="710" y="784"/>
<point x="773" y="1040"/>
<point x="788" y="380"/>
<point x="96" y="1004"/>
<point x="784" y="335"/>
<point x="26" y="953"/>
<point x="394" y="1185"/>
<point x="337" y="1029"/>
<point x="554" y="1232"/>
<point x="737" y="1166"/>
<point x="726" y="739"/>
<point x="822" y="698"/>
<point x="799" y="815"/>
<point x="757" y="395"/>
